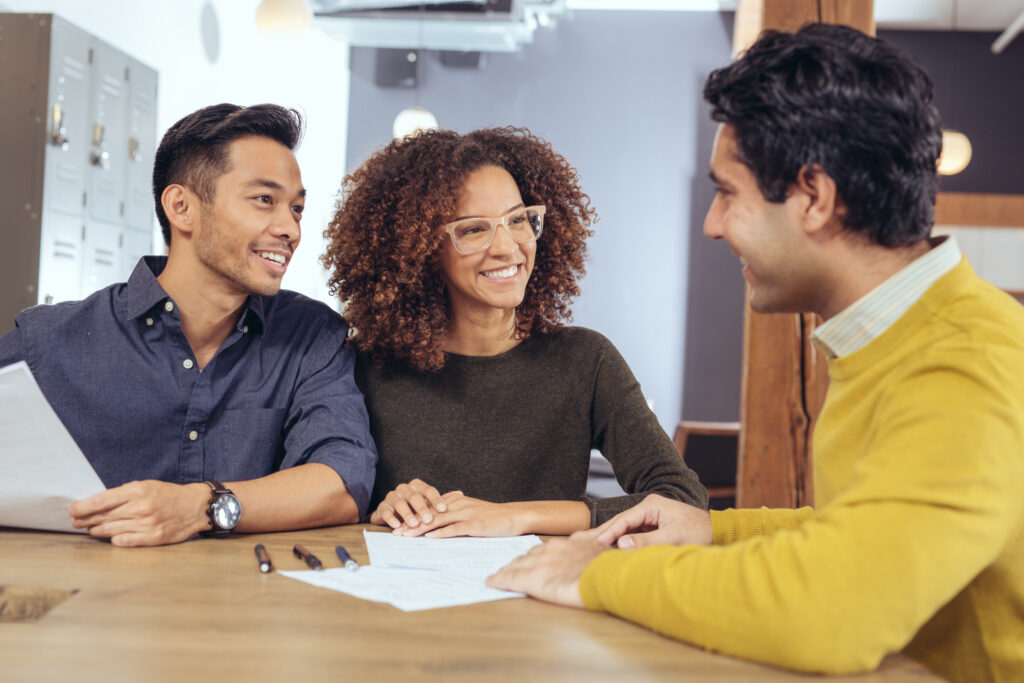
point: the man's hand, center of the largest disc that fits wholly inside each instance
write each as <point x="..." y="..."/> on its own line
<point x="656" y="520"/>
<point x="142" y="513"/>
<point x="552" y="571"/>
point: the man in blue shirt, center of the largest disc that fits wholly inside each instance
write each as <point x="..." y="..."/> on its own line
<point x="198" y="370"/>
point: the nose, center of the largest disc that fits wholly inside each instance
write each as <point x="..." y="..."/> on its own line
<point x="285" y="226"/>
<point x="713" y="223"/>
<point x="502" y="242"/>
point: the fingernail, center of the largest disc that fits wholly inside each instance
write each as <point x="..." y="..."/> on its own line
<point x="441" y="507"/>
<point x="626" y="542"/>
<point x="427" y="518"/>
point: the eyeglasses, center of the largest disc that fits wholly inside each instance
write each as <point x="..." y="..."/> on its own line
<point x="471" y="235"/>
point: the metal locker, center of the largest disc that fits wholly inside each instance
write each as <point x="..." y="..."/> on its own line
<point x="108" y="139"/>
<point x="67" y="149"/>
<point x="77" y="138"/>
<point x="141" y="132"/>
<point x="101" y="256"/>
<point x="60" y="259"/>
<point x="134" y="246"/>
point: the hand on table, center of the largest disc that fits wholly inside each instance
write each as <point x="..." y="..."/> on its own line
<point x="409" y="505"/>
<point x="144" y="513"/>
<point x="465" y="516"/>
<point x="656" y="520"/>
<point x="552" y="571"/>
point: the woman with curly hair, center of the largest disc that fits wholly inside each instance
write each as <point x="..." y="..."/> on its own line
<point x="456" y="258"/>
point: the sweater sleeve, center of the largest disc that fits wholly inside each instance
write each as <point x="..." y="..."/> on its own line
<point x="933" y="500"/>
<point x="730" y="526"/>
<point x="628" y="434"/>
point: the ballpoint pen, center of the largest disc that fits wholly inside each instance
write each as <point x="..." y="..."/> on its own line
<point x="311" y="560"/>
<point x="346" y="559"/>
<point x="264" y="558"/>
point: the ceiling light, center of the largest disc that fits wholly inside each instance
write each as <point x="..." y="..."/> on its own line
<point x="956" y="152"/>
<point x="412" y="121"/>
<point x="283" y="17"/>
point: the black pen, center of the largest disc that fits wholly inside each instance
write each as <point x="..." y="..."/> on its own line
<point x="346" y="559"/>
<point x="311" y="560"/>
<point x="264" y="558"/>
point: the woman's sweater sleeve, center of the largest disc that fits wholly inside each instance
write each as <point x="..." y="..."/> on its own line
<point x="628" y="434"/>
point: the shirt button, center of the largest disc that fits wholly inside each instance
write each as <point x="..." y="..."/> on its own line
<point x="245" y="329"/>
<point x="187" y="363"/>
<point x="149" y="322"/>
<point x="193" y="435"/>
<point x="169" y="306"/>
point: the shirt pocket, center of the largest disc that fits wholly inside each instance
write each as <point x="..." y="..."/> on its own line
<point x="249" y="443"/>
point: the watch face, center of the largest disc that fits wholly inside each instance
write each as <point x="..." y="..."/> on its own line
<point x="226" y="511"/>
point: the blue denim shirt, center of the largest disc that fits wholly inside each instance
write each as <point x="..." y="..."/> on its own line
<point x="120" y="374"/>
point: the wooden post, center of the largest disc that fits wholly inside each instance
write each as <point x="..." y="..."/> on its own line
<point x="784" y="379"/>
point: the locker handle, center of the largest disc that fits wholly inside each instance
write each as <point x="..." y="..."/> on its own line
<point x="59" y="138"/>
<point x="100" y="158"/>
<point x="133" y="150"/>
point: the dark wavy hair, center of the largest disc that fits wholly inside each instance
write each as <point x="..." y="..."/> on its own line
<point x="386" y="236"/>
<point x="194" y="151"/>
<point x="855" y="106"/>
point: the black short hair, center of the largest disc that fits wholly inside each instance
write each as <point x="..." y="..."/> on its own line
<point x="855" y="106"/>
<point x="194" y="151"/>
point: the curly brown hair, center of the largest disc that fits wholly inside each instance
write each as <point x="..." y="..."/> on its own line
<point x="386" y="237"/>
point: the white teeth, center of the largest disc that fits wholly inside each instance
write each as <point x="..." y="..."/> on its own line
<point x="504" y="272"/>
<point x="271" y="256"/>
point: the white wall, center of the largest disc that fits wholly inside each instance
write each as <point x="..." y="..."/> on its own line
<point x="309" y="73"/>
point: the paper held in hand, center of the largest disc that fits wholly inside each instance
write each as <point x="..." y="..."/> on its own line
<point x="42" y="470"/>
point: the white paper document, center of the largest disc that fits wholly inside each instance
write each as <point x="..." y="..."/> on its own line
<point x="42" y="470"/>
<point x="424" y="573"/>
<point x="480" y="556"/>
<point x="406" y="589"/>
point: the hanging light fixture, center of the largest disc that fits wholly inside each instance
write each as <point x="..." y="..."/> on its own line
<point x="956" y="147"/>
<point x="283" y="17"/>
<point x="415" y="119"/>
<point x="956" y="152"/>
<point x="412" y="121"/>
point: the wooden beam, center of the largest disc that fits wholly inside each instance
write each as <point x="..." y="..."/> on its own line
<point x="975" y="209"/>
<point x="784" y="379"/>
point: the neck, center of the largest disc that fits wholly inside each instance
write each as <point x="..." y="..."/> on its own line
<point x="859" y="268"/>
<point x="481" y="332"/>
<point x="208" y="312"/>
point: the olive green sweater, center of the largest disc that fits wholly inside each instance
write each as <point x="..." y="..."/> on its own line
<point x="519" y="426"/>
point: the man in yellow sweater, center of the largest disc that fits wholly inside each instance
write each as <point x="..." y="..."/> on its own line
<point x="825" y="167"/>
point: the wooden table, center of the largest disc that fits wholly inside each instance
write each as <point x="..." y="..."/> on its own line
<point x="201" y="611"/>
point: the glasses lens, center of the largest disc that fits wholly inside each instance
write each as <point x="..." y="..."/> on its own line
<point x="472" y="235"/>
<point x="525" y="224"/>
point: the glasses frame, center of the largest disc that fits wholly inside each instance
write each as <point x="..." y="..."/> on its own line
<point x="494" y="223"/>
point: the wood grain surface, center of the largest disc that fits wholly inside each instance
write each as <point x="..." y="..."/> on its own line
<point x="201" y="610"/>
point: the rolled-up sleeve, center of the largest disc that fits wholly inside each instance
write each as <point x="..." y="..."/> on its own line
<point x="327" y="421"/>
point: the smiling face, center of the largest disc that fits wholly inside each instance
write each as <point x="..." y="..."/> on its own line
<point x="247" y="235"/>
<point x="767" y="236"/>
<point x="496" y="277"/>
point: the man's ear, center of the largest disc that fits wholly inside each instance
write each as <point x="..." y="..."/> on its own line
<point x="824" y="206"/>
<point x="181" y="206"/>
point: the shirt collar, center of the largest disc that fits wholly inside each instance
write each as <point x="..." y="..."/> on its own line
<point x="871" y="315"/>
<point x="143" y="292"/>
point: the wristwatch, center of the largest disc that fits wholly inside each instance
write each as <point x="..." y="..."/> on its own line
<point x="224" y="512"/>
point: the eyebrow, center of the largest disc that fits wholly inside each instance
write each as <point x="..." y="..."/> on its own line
<point x="271" y="184"/>
<point x="507" y="211"/>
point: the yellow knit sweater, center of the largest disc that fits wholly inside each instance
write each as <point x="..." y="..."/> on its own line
<point x="917" y="543"/>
